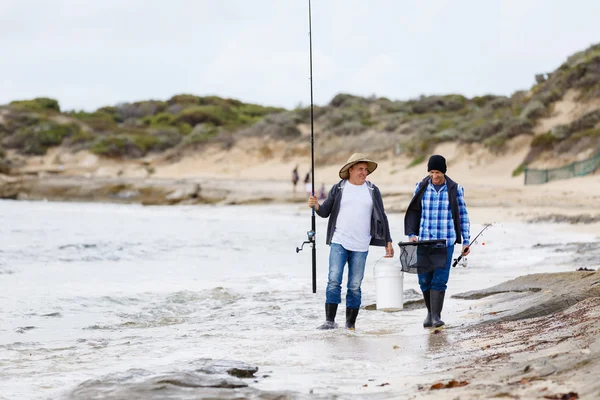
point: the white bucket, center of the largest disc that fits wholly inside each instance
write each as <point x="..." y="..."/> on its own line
<point x="389" y="280"/>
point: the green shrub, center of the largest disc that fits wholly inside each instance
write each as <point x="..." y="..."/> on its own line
<point x="185" y="129"/>
<point x="515" y="126"/>
<point x="516" y="110"/>
<point x="534" y="109"/>
<point x="561" y="132"/>
<point x="590" y="91"/>
<point x="257" y="111"/>
<point x="80" y="137"/>
<point x="481" y="101"/>
<point x="278" y="126"/>
<point x="159" y="141"/>
<point x="446" y="124"/>
<point x="495" y="143"/>
<point x="204" y="114"/>
<point x="166" y="140"/>
<point x="416" y="161"/>
<point x="349" y="128"/>
<point x="110" y="110"/>
<point x="436" y="104"/>
<point x="549" y="96"/>
<point x="35" y="140"/>
<point x="15" y="120"/>
<point x="160" y="119"/>
<point x="39" y="104"/>
<point x="224" y="115"/>
<point x="424" y="144"/>
<point x="137" y="110"/>
<point x="98" y="121"/>
<point x="219" y="101"/>
<point x="447" y="135"/>
<point x="201" y="134"/>
<point x="340" y="116"/>
<point x="302" y="115"/>
<point x="346" y="100"/>
<point x="482" y="129"/>
<point x="185" y="99"/>
<point x="145" y="142"/>
<point x="134" y="145"/>
<point x="193" y="100"/>
<point x="366" y="121"/>
<point x="585" y="122"/>
<point x="116" y="146"/>
<point x="594" y="132"/>
<point x="544" y="141"/>
<point x="396" y="107"/>
<point x="519" y="170"/>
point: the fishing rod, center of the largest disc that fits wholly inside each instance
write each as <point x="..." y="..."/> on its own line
<point x="457" y="260"/>
<point x="312" y="232"/>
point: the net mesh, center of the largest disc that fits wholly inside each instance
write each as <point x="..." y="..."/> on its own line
<point x="578" y="168"/>
<point x="422" y="257"/>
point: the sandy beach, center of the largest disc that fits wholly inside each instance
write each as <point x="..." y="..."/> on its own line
<point x="242" y="175"/>
<point x="552" y="356"/>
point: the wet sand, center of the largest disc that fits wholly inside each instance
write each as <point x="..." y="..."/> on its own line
<point x="553" y="356"/>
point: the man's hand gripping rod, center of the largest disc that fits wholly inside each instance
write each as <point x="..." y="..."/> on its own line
<point x="457" y="260"/>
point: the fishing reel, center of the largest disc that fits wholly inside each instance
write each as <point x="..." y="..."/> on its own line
<point x="461" y="259"/>
<point x="311" y="239"/>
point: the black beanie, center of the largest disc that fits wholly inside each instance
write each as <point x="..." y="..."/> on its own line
<point x="437" y="162"/>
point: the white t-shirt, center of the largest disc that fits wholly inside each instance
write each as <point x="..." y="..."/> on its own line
<point x="353" y="225"/>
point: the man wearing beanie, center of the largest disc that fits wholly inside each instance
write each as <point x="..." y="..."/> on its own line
<point x="437" y="211"/>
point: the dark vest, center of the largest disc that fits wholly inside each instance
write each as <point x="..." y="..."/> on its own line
<point x="412" y="219"/>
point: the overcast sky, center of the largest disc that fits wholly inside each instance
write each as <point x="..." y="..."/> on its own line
<point x="92" y="53"/>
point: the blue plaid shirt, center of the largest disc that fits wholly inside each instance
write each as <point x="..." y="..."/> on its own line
<point x="436" y="216"/>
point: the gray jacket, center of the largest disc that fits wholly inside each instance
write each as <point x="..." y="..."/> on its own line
<point x="380" y="229"/>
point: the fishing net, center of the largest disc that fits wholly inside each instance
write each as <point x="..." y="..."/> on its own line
<point x="424" y="256"/>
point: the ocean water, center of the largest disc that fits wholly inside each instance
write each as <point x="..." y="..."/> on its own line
<point x="113" y="295"/>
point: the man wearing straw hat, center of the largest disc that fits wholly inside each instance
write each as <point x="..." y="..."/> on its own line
<point x="357" y="220"/>
<point x="437" y="211"/>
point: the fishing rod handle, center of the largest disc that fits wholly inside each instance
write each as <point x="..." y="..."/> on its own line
<point x="456" y="261"/>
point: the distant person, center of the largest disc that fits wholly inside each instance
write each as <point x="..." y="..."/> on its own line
<point x="437" y="211"/>
<point x="307" y="183"/>
<point x="295" y="177"/>
<point x="357" y="220"/>
<point x="322" y="193"/>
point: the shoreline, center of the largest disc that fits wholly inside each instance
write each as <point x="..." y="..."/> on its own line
<point x="540" y="204"/>
<point x="527" y="358"/>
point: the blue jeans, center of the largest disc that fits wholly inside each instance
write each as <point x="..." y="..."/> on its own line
<point x="438" y="278"/>
<point x="338" y="257"/>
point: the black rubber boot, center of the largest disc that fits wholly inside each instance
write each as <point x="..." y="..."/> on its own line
<point x="427" y="323"/>
<point x="351" y="314"/>
<point x="330" y="311"/>
<point x="437" y="304"/>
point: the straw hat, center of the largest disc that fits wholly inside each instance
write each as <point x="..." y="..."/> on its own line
<point x="356" y="158"/>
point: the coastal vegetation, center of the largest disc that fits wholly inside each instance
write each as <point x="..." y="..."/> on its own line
<point x="414" y="126"/>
